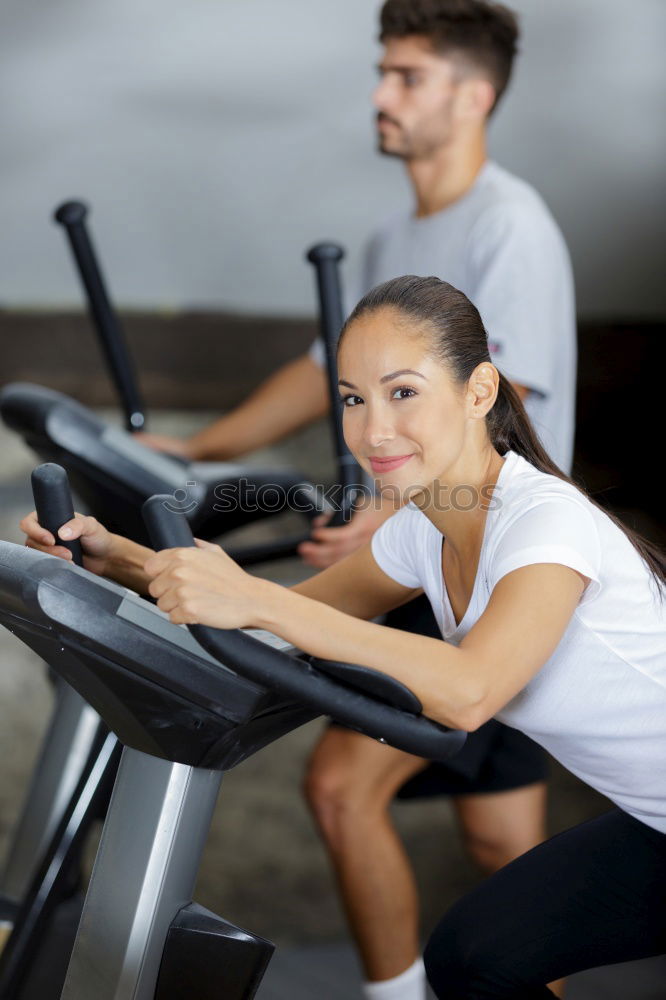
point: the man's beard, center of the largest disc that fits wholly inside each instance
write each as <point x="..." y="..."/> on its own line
<point x="399" y="154"/>
<point x="402" y="151"/>
<point x="411" y="146"/>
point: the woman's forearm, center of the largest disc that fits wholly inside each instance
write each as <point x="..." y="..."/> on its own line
<point x="436" y="672"/>
<point x="125" y="564"/>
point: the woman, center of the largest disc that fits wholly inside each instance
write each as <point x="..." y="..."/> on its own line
<point x="552" y="612"/>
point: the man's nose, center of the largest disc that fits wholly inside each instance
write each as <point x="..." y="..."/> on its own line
<point x="381" y="95"/>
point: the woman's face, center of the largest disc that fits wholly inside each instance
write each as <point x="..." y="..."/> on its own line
<point x="404" y="417"/>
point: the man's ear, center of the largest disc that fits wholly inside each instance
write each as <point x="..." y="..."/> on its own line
<point x="476" y="98"/>
<point x="482" y="390"/>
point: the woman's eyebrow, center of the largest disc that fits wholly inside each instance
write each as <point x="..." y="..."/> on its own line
<point x="387" y="378"/>
<point x="403" y="371"/>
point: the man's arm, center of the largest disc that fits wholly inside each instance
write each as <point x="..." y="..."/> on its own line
<point x="522" y="391"/>
<point x="290" y="398"/>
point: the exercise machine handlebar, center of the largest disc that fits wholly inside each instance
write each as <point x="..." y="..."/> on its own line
<point x="359" y="697"/>
<point x="325" y="258"/>
<point x="53" y="504"/>
<point x="72" y="216"/>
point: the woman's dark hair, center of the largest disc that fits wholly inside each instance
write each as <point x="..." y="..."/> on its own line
<point x="484" y="34"/>
<point x="460" y="343"/>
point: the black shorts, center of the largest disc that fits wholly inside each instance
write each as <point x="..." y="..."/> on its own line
<point x="495" y="758"/>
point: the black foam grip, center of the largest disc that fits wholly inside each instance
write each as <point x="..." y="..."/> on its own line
<point x="167" y="526"/>
<point x="53" y="503"/>
<point x="70" y="213"/>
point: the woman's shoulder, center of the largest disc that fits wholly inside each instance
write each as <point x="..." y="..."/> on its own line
<point x="538" y="517"/>
<point x="523" y="488"/>
<point x="409" y="523"/>
<point x="403" y="546"/>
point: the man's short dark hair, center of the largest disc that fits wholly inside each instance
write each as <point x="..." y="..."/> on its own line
<point x="484" y="34"/>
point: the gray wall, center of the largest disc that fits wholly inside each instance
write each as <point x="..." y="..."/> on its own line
<point x="218" y="138"/>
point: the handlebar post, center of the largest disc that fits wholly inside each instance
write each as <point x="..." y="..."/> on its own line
<point x="326" y="257"/>
<point x="71" y="215"/>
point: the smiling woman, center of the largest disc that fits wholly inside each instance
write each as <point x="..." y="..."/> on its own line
<point x="553" y="617"/>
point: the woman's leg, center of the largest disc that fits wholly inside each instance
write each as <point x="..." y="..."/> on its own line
<point x="500" y="826"/>
<point x="591" y="896"/>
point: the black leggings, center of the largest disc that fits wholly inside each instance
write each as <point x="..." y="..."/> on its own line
<point x="591" y="896"/>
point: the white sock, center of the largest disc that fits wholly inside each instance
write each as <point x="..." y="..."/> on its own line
<point x="409" y="985"/>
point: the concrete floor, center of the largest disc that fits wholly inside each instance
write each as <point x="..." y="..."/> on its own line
<point x="264" y="867"/>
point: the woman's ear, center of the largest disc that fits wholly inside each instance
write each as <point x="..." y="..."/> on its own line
<point x="482" y="390"/>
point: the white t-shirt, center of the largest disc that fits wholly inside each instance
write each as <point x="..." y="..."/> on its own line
<point x="598" y="704"/>
<point x="499" y="245"/>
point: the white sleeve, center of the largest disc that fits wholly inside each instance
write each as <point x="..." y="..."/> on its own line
<point x="558" y="530"/>
<point x="395" y="546"/>
<point x="521" y="284"/>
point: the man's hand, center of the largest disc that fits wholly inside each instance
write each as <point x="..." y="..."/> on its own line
<point x="165" y="442"/>
<point x="329" y="545"/>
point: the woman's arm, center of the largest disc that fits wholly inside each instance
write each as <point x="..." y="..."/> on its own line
<point x="104" y="553"/>
<point x="125" y="564"/>
<point x="357" y="586"/>
<point x="461" y="687"/>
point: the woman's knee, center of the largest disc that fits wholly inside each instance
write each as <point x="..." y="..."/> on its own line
<point x="445" y="964"/>
<point x="459" y="963"/>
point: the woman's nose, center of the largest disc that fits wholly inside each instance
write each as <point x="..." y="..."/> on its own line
<point x="378" y="430"/>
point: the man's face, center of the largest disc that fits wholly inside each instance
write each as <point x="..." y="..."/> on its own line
<point x="414" y="99"/>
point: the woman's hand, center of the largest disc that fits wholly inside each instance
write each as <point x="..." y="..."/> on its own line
<point x="96" y="541"/>
<point x="203" y="586"/>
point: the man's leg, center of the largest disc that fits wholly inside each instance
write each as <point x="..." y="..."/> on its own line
<point x="350" y="783"/>
<point x="500" y="826"/>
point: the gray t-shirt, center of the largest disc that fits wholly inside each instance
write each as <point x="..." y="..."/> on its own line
<point x="499" y="245"/>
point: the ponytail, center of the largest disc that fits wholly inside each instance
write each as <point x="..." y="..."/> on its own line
<point x="460" y="342"/>
<point x="510" y="429"/>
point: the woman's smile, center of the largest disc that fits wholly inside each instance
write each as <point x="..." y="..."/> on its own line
<point x="388" y="463"/>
